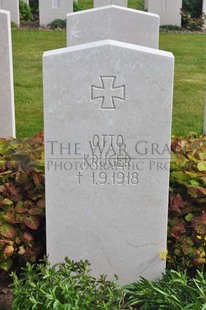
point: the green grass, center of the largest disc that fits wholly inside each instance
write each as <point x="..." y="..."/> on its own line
<point x="190" y="79"/>
<point x="134" y="4"/>
<point x="28" y="48"/>
<point x="189" y="90"/>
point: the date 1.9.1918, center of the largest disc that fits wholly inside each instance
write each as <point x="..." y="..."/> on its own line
<point x="114" y="178"/>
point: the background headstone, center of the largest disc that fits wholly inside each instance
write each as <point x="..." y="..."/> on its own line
<point x="7" y="117"/>
<point x="13" y="7"/>
<point x="204" y="6"/>
<point x="115" y="23"/>
<point x="49" y="10"/>
<point x="204" y="10"/>
<point x="107" y="109"/>
<point x="98" y="3"/>
<point x="168" y="10"/>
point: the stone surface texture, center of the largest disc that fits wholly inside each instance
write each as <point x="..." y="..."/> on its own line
<point x="49" y="10"/>
<point x="169" y="11"/>
<point x="98" y="3"/>
<point x="114" y="23"/>
<point x="101" y="100"/>
<point x="7" y="117"/>
<point x="204" y="10"/>
<point x="13" y="7"/>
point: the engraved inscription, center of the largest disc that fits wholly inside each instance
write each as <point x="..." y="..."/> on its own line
<point x="108" y="92"/>
<point x="107" y="160"/>
<point x="114" y="178"/>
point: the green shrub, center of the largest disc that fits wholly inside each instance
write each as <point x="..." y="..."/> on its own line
<point x="65" y="286"/>
<point x="70" y="286"/>
<point x="175" y="291"/>
<point x="14" y="25"/>
<point x="77" y="7"/>
<point x="192" y="17"/>
<point x="25" y="11"/>
<point x="57" y="24"/>
<point x="187" y="207"/>
<point x="22" y="202"/>
<point x="170" y="28"/>
<point x="193" y="7"/>
<point x="192" y="23"/>
<point x="34" y="5"/>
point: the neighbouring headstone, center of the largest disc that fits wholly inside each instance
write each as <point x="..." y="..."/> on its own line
<point x="168" y="10"/>
<point x="107" y="118"/>
<point x="115" y="23"/>
<point x="49" y="10"/>
<point x="204" y="10"/>
<point x="7" y="116"/>
<point x="204" y="6"/>
<point x="98" y="3"/>
<point x="13" y="7"/>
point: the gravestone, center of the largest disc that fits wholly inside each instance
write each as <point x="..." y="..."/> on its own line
<point x="49" y="10"/>
<point x="204" y="6"/>
<point x="168" y="10"/>
<point x="204" y="10"/>
<point x="98" y="3"/>
<point x="7" y="117"/>
<point x="107" y="118"/>
<point x="13" y="7"/>
<point x="115" y="23"/>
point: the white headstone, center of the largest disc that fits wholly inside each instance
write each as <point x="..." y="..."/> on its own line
<point x="115" y="23"/>
<point x="168" y="10"/>
<point x="98" y="3"/>
<point x="49" y="10"/>
<point x="107" y="109"/>
<point x="7" y="117"/>
<point x="204" y="10"/>
<point x="13" y="7"/>
<point x="204" y="6"/>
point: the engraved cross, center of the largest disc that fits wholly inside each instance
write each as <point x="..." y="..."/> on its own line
<point x="108" y="92"/>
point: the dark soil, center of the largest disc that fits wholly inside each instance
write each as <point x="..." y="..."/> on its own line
<point x="5" y="292"/>
<point x="30" y="25"/>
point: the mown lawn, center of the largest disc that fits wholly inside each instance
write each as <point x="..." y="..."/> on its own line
<point x="134" y="4"/>
<point x="190" y="80"/>
<point x="189" y="90"/>
<point x="28" y="47"/>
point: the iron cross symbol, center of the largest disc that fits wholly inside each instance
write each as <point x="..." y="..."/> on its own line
<point x="108" y="92"/>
